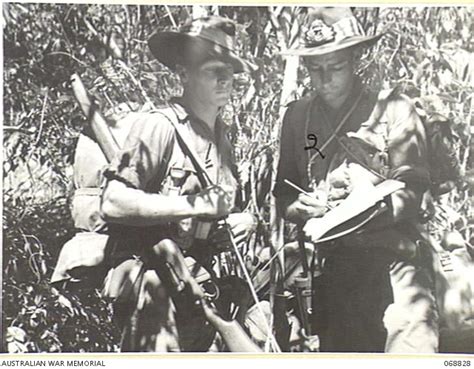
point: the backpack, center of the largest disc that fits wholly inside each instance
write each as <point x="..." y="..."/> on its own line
<point x="453" y="270"/>
<point x="83" y="256"/>
<point x="444" y="166"/>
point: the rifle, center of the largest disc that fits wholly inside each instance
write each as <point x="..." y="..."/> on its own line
<point x="204" y="227"/>
<point x="231" y="332"/>
<point x="98" y="124"/>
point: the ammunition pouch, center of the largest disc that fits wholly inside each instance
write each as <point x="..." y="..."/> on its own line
<point x="81" y="260"/>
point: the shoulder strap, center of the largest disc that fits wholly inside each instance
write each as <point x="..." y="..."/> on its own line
<point x="383" y="98"/>
<point x="182" y="137"/>
<point x="335" y="132"/>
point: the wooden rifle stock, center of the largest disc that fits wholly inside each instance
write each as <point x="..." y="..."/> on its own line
<point x="175" y="272"/>
<point x="231" y="332"/>
<point x="98" y="124"/>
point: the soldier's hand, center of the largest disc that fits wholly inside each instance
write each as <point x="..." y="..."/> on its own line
<point x="312" y="206"/>
<point x="214" y="202"/>
<point x="241" y="225"/>
<point x="340" y="184"/>
<point x="336" y="194"/>
<point x="340" y="177"/>
<point x="362" y="176"/>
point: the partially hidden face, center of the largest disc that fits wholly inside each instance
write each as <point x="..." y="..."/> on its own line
<point x="332" y="75"/>
<point x="210" y="82"/>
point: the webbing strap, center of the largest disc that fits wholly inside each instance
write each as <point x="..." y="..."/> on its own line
<point x="181" y="137"/>
<point x="358" y="159"/>
<point x="312" y="158"/>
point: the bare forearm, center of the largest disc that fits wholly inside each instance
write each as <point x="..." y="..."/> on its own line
<point x="125" y="205"/>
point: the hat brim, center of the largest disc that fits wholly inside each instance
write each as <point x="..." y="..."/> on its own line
<point x="331" y="47"/>
<point x="169" y="48"/>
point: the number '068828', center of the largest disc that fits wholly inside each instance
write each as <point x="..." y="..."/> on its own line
<point x="457" y="363"/>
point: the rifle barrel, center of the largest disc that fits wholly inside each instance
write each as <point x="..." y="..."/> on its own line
<point x="99" y="125"/>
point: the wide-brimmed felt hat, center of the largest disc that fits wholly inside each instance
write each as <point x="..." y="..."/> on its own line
<point x="208" y="37"/>
<point x="330" y="29"/>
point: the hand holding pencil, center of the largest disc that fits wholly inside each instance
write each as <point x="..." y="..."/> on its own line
<point x="309" y="204"/>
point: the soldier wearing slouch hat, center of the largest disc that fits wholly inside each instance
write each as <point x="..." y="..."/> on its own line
<point x="375" y="293"/>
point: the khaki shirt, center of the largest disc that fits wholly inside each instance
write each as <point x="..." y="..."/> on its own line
<point x="153" y="161"/>
<point x="149" y="160"/>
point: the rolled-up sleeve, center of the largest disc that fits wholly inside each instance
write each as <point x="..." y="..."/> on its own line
<point x="146" y="149"/>
<point x="407" y="144"/>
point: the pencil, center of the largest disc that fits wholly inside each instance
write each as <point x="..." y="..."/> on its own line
<point x="296" y="187"/>
<point x="329" y="207"/>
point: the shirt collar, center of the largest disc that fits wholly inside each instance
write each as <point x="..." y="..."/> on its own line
<point x="184" y="115"/>
<point x="178" y="107"/>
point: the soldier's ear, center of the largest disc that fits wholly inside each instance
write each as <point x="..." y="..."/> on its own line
<point x="356" y="57"/>
<point x="182" y="73"/>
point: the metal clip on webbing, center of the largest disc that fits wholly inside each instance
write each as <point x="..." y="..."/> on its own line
<point x="303" y="285"/>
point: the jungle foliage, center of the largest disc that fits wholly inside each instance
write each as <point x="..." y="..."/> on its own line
<point x="426" y="51"/>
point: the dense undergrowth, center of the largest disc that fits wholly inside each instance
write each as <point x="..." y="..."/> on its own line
<point x="425" y="51"/>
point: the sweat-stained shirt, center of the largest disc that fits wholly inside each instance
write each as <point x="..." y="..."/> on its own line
<point x="153" y="161"/>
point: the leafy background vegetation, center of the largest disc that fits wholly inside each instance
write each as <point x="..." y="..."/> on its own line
<point x="426" y="51"/>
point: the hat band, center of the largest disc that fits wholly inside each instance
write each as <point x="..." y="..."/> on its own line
<point x="347" y="27"/>
<point x="321" y="33"/>
<point x="212" y="34"/>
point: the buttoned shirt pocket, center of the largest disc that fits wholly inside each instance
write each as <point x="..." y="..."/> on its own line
<point x="181" y="179"/>
<point x="181" y="176"/>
